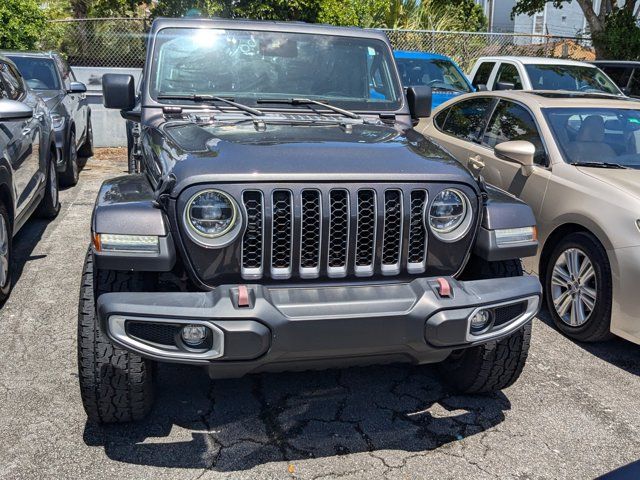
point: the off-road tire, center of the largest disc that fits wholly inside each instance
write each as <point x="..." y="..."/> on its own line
<point x="6" y="289"/>
<point x="50" y="204"/>
<point x="86" y="149"/>
<point x="495" y="365"/>
<point x="597" y="328"/>
<point x="69" y="177"/>
<point x="116" y="386"/>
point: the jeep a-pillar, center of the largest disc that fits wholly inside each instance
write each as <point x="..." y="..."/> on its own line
<point x="288" y="217"/>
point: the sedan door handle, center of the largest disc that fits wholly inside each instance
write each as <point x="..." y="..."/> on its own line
<point x="475" y="163"/>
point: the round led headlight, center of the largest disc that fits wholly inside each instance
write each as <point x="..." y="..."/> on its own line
<point x="449" y="217"/>
<point x="211" y="213"/>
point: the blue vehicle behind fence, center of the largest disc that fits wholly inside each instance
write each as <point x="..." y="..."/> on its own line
<point x="437" y="71"/>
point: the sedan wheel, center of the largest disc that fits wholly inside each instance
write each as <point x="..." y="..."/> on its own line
<point x="574" y="287"/>
<point x="577" y="287"/>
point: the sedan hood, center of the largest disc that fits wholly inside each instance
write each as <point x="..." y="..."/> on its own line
<point x="362" y="152"/>
<point x="627" y="180"/>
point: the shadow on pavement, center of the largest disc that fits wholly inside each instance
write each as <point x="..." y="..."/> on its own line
<point x="231" y="425"/>
<point x="24" y="243"/>
<point x="617" y="351"/>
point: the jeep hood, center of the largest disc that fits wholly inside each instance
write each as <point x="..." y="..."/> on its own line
<point x="207" y="153"/>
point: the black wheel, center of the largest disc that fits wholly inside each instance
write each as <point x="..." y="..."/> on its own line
<point x="50" y="204"/>
<point x="69" y="177"/>
<point x="5" y="254"/>
<point x="577" y="288"/>
<point x="494" y="365"/>
<point x="86" y="150"/>
<point x="116" y="386"/>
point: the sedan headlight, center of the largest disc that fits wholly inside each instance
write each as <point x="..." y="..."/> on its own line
<point x="211" y="213"/>
<point x="450" y="215"/>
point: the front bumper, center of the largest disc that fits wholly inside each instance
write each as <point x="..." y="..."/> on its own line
<point x="292" y="328"/>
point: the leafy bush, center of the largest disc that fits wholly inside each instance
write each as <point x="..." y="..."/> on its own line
<point x="21" y="24"/>
<point x="620" y="39"/>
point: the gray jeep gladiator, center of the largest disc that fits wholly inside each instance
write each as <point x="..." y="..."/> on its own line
<point x="288" y="217"/>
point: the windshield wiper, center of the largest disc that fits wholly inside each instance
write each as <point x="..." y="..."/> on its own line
<point x="212" y="98"/>
<point x="598" y="164"/>
<point x="308" y="101"/>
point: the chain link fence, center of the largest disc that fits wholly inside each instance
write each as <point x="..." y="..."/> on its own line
<point x="120" y="42"/>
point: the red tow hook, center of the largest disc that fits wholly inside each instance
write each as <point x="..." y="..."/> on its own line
<point x="243" y="296"/>
<point x="444" y="288"/>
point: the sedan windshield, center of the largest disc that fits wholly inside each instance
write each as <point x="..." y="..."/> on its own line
<point x="39" y="73"/>
<point x="353" y="73"/>
<point x="570" y="77"/>
<point x="598" y="137"/>
<point x="437" y="73"/>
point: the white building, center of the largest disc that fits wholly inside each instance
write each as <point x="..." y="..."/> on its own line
<point x="568" y="21"/>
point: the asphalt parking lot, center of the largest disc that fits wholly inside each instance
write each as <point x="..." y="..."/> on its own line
<point x="575" y="413"/>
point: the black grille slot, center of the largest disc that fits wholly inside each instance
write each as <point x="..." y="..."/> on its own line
<point x="310" y="231"/>
<point x="338" y="229"/>
<point x="507" y="313"/>
<point x="160" y="333"/>
<point x="366" y="231"/>
<point x="392" y="236"/>
<point x="282" y="235"/>
<point x="252" y="240"/>
<point x="417" y="233"/>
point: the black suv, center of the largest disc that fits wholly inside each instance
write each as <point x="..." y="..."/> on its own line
<point x="288" y="217"/>
<point x="49" y="75"/>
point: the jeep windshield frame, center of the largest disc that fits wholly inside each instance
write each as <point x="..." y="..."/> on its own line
<point x="351" y="72"/>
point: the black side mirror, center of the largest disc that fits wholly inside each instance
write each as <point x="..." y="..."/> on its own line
<point x="12" y="110"/>
<point x="118" y="91"/>
<point x="626" y="91"/>
<point x="77" y="87"/>
<point x="419" y="99"/>
<point x="505" y="86"/>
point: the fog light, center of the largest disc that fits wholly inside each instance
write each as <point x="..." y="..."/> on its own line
<point x="480" y="320"/>
<point x="193" y="335"/>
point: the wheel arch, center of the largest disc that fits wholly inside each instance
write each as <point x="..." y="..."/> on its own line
<point x="6" y="196"/>
<point x="560" y="232"/>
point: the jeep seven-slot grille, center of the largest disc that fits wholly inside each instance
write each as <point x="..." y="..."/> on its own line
<point x="340" y="232"/>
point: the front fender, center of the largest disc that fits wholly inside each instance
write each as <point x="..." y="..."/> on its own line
<point x="126" y="206"/>
<point x="502" y="210"/>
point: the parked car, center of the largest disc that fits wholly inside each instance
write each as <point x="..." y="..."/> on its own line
<point x="575" y="159"/>
<point x="625" y="74"/>
<point x="533" y="73"/>
<point x="49" y="75"/>
<point x="302" y="225"/>
<point x="436" y="71"/>
<point x="28" y="178"/>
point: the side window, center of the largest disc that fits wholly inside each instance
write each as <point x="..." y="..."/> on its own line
<point x="440" y="118"/>
<point x="620" y="75"/>
<point x="511" y="121"/>
<point x="482" y="74"/>
<point x="466" y="120"/>
<point x="14" y="88"/>
<point x="634" y="85"/>
<point x="508" y="73"/>
<point x="64" y="71"/>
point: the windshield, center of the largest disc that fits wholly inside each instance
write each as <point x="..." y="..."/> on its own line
<point x="570" y="77"/>
<point x="601" y="135"/>
<point x="39" y="73"/>
<point x="438" y="74"/>
<point x="354" y="73"/>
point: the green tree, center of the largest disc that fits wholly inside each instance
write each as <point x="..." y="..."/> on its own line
<point x="21" y="24"/>
<point x="608" y="24"/>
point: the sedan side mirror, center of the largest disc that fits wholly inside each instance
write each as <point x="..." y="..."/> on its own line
<point x="77" y="87"/>
<point x="505" y="86"/>
<point x="518" y="151"/>
<point x="118" y="91"/>
<point x="419" y="99"/>
<point x="12" y="110"/>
